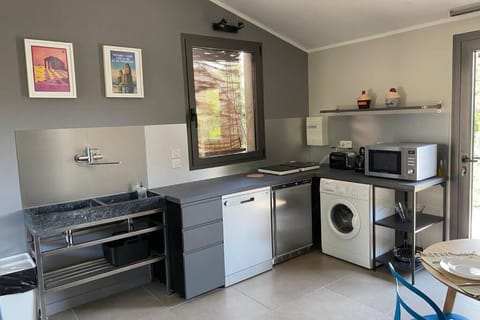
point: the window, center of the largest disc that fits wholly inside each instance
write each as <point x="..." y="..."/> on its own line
<point x="225" y="101"/>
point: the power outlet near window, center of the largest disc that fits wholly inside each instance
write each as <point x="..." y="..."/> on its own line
<point x="346" y="144"/>
<point x="176" y="163"/>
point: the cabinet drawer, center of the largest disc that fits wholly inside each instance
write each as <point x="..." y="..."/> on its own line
<point x="204" y="271"/>
<point x="201" y="212"/>
<point x="203" y="236"/>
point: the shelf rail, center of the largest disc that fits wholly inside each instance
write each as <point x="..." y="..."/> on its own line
<point x="382" y="110"/>
<point x="90" y="271"/>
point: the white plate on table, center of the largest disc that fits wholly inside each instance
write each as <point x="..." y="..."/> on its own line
<point x="467" y="267"/>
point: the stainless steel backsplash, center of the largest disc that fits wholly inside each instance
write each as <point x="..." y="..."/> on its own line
<point x="49" y="174"/>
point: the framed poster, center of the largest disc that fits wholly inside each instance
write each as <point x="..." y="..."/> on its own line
<point x="123" y="72"/>
<point x="50" y="69"/>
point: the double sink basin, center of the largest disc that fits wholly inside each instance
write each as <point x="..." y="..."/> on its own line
<point x="58" y="217"/>
<point x="91" y="203"/>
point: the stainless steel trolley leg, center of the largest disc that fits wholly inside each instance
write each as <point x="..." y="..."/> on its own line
<point x="42" y="304"/>
<point x="414" y="236"/>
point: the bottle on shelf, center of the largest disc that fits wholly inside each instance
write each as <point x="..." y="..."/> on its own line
<point x="440" y="169"/>
<point x="141" y="191"/>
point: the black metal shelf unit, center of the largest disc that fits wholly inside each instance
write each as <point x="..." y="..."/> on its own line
<point x="413" y="225"/>
<point x="424" y="221"/>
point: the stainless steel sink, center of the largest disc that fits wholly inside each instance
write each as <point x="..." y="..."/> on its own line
<point x="124" y="197"/>
<point x="64" y="207"/>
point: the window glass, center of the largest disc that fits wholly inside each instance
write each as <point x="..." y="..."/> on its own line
<point x="225" y="101"/>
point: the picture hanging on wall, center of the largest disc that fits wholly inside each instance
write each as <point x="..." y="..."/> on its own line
<point x="123" y="72"/>
<point x="50" y="69"/>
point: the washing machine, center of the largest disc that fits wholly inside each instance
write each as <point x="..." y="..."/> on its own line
<point x="346" y="214"/>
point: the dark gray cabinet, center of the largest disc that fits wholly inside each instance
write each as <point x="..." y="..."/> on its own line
<point x="195" y="233"/>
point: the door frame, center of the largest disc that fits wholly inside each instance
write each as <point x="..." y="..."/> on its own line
<point x="459" y="222"/>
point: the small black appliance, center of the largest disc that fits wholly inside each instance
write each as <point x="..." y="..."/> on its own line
<point x="360" y="160"/>
<point x="341" y="160"/>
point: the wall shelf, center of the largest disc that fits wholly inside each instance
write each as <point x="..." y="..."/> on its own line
<point x="433" y="108"/>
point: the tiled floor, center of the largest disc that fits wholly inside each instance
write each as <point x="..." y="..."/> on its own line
<point x="310" y="287"/>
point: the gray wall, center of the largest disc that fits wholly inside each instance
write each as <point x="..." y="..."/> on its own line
<point x="154" y="26"/>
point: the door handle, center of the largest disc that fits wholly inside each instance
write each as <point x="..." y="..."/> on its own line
<point x="466" y="159"/>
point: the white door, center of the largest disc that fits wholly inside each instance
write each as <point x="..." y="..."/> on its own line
<point x="465" y="174"/>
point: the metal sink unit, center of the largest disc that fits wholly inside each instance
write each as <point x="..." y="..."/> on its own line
<point x="58" y="229"/>
<point x="66" y="207"/>
<point x="124" y="197"/>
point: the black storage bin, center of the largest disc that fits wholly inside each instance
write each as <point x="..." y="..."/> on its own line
<point x="125" y="251"/>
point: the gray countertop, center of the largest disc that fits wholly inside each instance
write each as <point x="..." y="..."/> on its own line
<point x="211" y="188"/>
<point x="194" y="191"/>
<point x="57" y="218"/>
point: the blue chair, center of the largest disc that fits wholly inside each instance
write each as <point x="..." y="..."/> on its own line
<point x="439" y="315"/>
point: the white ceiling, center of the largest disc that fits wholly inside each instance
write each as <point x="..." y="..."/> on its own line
<point x="319" y="24"/>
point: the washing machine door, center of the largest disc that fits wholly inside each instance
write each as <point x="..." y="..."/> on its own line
<point x="344" y="219"/>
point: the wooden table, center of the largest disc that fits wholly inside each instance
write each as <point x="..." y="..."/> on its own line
<point x="456" y="247"/>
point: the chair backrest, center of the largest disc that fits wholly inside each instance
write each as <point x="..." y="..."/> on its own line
<point x="401" y="302"/>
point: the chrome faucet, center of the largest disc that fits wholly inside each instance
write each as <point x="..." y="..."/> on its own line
<point x="91" y="156"/>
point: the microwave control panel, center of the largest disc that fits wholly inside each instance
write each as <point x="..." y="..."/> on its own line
<point x="411" y="162"/>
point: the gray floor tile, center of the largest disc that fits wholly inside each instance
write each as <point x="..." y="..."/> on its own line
<point x="222" y="304"/>
<point x="136" y="304"/>
<point x="374" y="290"/>
<point x="159" y="291"/>
<point x="313" y="286"/>
<point x="65" y="315"/>
<point x="295" y="278"/>
<point x="326" y="304"/>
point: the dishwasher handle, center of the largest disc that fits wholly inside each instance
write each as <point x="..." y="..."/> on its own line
<point x="234" y="202"/>
<point x="247" y="200"/>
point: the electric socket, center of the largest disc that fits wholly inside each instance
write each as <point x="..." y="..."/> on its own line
<point x="347" y="144"/>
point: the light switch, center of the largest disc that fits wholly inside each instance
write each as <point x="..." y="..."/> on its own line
<point x="175" y="153"/>
<point x="176" y="163"/>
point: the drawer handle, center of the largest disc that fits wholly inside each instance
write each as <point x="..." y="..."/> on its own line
<point x="248" y="200"/>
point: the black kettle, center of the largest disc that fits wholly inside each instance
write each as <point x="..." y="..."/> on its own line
<point x="360" y="160"/>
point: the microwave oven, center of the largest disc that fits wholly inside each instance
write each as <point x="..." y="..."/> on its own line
<point x="404" y="161"/>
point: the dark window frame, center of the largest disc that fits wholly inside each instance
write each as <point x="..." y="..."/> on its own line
<point x="255" y="48"/>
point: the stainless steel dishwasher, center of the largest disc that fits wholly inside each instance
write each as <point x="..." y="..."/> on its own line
<point x="291" y="219"/>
